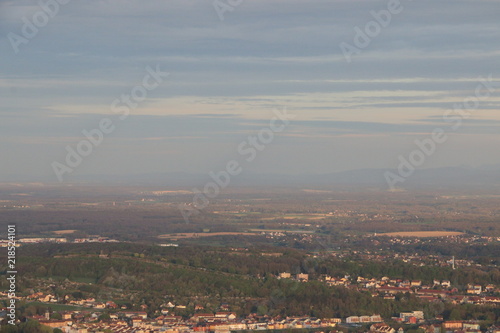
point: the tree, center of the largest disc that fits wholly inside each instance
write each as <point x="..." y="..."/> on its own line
<point x="455" y="314"/>
<point x="56" y="316"/>
<point x="104" y="316"/>
<point x="33" y="326"/>
<point x="9" y="329"/>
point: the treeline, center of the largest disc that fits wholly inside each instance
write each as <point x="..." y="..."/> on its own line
<point x="255" y="262"/>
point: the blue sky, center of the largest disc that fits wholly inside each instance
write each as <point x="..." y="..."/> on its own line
<point x="227" y="76"/>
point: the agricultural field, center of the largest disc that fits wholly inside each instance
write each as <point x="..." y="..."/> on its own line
<point x="422" y="234"/>
<point x="205" y="234"/>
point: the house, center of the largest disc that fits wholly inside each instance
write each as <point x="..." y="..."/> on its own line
<point x="331" y="322"/>
<point x="237" y="327"/>
<point x="136" y="321"/>
<point x="99" y="305"/>
<point x="171" y="319"/>
<point x="66" y="315"/>
<point x="471" y="326"/>
<point x="203" y="317"/>
<point x="46" y="299"/>
<point x="285" y="275"/>
<point x="431" y="328"/>
<point x="111" y="305"/>
<point x="79" y="317"/>
<point x="382" y="328"/>
<point x="130" y="314"/>
<point x="406" y="315"/>
<point x="446" y="284"/>
<point x="474" y="289"/>
<point x="405" y="284"/>
<point x="491" y="300"/>
<point x="416" y="284"/>
<point x="35" y="296"/>
<point x="453" y="325"/>
<point x="56" y="323"/>
<point x="221" y="316"/>
<point x="490" y="288"/>
<point x="394" y="290"/>
<point x="364" y="319"/>
<point x="302" y="277"/>
<point x="494" y="329"/>
<point x="432" y="292"/>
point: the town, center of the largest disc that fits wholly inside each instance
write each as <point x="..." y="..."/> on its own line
<point x="226" y="321"/>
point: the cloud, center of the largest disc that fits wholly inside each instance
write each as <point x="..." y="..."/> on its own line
<point x="227" y="76"/>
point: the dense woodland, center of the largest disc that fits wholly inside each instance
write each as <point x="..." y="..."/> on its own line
<point x="136" y="274"/>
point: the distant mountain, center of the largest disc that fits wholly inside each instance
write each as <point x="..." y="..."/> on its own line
<point x="452" y="177"/>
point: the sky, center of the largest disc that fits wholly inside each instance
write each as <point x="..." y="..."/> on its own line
<point x="231" y="64"/>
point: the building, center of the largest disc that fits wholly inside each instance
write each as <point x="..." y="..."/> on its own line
<point x="416" y="283"/>
<point x="471" y="326"/>
<point x="394" y="290"/>
<point x="474" y="289"/>
<point x="352" y="320"/>
<point x="406" y="315"/>
<point x="446" y="284"/>
<point x="364" y="319"/>
<point x="453" y="325"/>
<point x="382" y="328"/>
<point x="303" y="277"/>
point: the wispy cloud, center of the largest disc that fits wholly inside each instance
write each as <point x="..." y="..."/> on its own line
<point x="226" y="76"/>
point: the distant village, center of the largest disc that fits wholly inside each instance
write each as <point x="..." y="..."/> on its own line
<point x="388" y="288"/>
<point x="60" y="240"/>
